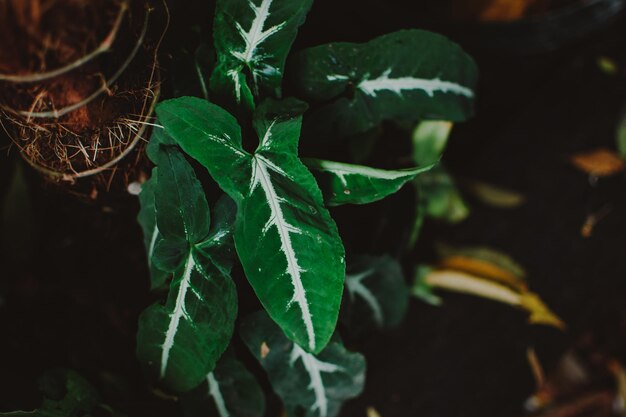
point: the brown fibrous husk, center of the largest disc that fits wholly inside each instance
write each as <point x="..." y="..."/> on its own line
<point x="111" y="96"/>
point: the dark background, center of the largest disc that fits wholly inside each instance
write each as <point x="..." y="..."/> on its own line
<point x="72" y="300"/>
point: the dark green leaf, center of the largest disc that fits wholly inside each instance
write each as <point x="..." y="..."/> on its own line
<point x="229" y="391"/>
<point x="406" y="74"/>
<point x="252" y="40"/>
<point x="179" y="342"/>
<point x="147" y="220"/>
<point x="182" y="209"/>
<point x="377" y="291"/>
<point x="317" y="385"/>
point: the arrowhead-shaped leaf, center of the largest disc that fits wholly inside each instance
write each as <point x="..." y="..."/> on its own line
<point x="180" y="341"/>
<point x="409" y="74"/>
<point x="252" y="40"/>
<point x="309" y="385"/>
<point x="377" y="291"/>
<point x="230" y="390"/>
<point x="286" y="240"/>
<point x="344" y="183"/>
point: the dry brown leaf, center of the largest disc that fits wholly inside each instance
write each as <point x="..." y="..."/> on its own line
<point x="495" y="196"/>
<point x="482" y="268"/>
<point x="600" y="162"/>
<point x="505" y="10"/>
<point x="463" y="282"/>
<point x="372" y="412"/>
<point x="265" y="350"/>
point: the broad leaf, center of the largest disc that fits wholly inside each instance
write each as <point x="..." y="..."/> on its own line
<point x="230" y="390"/>
<point x="377" y="291"/>
<point x="409" y="74"/>
<point x="286" y="240"/>
<point x="252" y="40"/>
<point x="344" y="183"/>
<point x="147" y="220"/>
<point x="309" y="385"/>
<point x="180" y="341"/>
<point x="65" y="394"/>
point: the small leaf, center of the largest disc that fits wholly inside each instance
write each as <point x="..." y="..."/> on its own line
<point x="65" y="393"/>
<point x="462" y="282"/>
<point x="409" y="74"/>
<point x="607" y="65"/>
<point x="286" y="240"/>
<point x="252" y="40"/>
<point x="376" y="291"/>
<point x="484" y="262"/>
<point x="421" y="290"/>
<point x="230" y="390"/>
<point x="442" y="199"/>
<point x="494" y="196"/>
<point x="343" y="183"/>
<point x="599" y="163"/>
<point x="309" y="385"/>
<point x="429" y="141"/>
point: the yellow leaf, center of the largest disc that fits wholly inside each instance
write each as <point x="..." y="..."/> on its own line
<point x="485" y="269"/>
<point x="495" y="196"/>
<point x="600" y="162"/>
<point x="462" y="282"/>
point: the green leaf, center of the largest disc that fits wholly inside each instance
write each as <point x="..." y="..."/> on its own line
<point x="147" y="220"/>
<point x="309" y="385"/>
<point x="377" y="292"/>
<point x="65" y="393"/>
<point x="230" y="390"/>
<point x="422" y="290"/>
<point x="344" y="183"/>
<point x="182" y="209"/>
<point x="442" y="198"/>
<point x="409" y="74"/>
<point x="180" y="341"/>
<point x="285" y="238"/>
<point x="429" y="141"/>
<point x="252" y="40"/>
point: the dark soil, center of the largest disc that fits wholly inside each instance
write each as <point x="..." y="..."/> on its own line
<point x="72" y="299"/>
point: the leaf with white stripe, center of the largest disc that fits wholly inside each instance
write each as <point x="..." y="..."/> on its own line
<point x="179" y="342"/>
<point x="252" y="40"/>
<point x="377" y="293"/>
<point x="343" y="183"/>
<point x="405" y="75"/>
<point x="230" y="390"/>
<point x="147" y="220"/>
<point x="309" y="385"/>
<point x="286" y="240"/>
